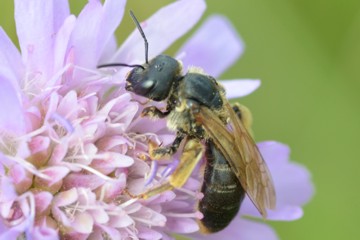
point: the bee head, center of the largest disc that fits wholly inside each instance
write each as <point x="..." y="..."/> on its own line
<point x="155" y="79"/>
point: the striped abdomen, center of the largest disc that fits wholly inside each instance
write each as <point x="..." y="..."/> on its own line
<point x="222" y="191"/>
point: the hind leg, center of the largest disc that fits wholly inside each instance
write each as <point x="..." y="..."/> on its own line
<point x="192" y="153"/>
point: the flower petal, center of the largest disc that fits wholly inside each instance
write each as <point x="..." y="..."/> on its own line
<point x="84" y="34"/>
<point x="283" y="212"/>
<point x="121" y="220"/>
<point x="83" y="223"/>
<point x="21" y="178"/>
<point x="240" y="87"/>
<point x="35" y="30"/>
<point x="60" y="47"/>
<point x="274" y="153"/>
<point x="44" y="232"/>
<point x="12" y="116"/>
<point x="61" y="12"/>
<point x="65" y="198"/>
<point x="148" y="233"/>
<point x="11" y="66"/>
<point x="292" y="184"/>
<point x="55" y="174"/>
<point x="242" y="229"/>
<point x="292" y="180"/>
<point x="214" y="47"/>
<point x="76" y="180"/>
<point x="161" y="30"/>
<point x="8" y="191"/>
<point x="103" y="230"/>
<point x="113" y="12"/>
<point x="182" y="225"/>
<point x="42" y="201"/>
<point x="94" y="29"/>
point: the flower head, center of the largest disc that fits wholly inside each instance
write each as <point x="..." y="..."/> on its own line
<point x="73" y="146"/>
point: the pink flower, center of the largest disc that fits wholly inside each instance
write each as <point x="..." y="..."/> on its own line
<point x="72" y="142"/>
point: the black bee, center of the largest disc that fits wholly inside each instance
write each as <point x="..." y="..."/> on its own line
<point x="203" y="119"/>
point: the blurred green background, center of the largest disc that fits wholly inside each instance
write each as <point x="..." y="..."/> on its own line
<point x="307" y="54"/>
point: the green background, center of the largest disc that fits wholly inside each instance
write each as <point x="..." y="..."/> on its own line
<point x="307" y="54"/>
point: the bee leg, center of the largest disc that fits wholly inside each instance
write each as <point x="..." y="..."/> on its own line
<point x="153" y="112"/>
<point x="193" y="151"/>
<point x="165" y="152"/>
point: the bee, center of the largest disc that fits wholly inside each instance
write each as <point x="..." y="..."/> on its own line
<point x="207" y="125"/>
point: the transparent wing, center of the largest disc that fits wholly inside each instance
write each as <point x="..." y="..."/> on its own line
<point x="243" y="156"/>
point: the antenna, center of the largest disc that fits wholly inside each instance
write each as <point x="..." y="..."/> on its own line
<point x="142" y="34"/>
<point x="120" y="65"/>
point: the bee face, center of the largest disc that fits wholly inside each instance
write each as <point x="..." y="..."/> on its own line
<point x="155" y="79"/>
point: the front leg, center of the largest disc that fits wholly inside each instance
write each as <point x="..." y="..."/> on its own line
<point x="154" y="112"/>
<point x="157" y="153"/>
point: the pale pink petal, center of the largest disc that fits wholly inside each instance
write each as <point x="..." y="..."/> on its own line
<point x="83" y="223"/>
<point x="109" y="142"/>
<point x="39" y="147"/>
<point x="124" y="117"/>
<point x="13" y="121"/>
<point x="123" y="100"/>
<point x="182" y="225"/>
<point x="283" y="212"/>
<point x="61" y="12"/>
<point x="35" y="30"/>
<point x="292" y="180"/>
<point x="139" y="168"/>
<point x="152" y="216"/>
<point x="297" y="189"/>
<point x="44" y="233"/>
<point x="244" y="230"/>
<point x="240" y="87"/>
<point x="11" y="65"/>
<point x="161" y="30"/>
<point x="108" y="52"/>
<point x="55" y="174"/>
<point x="75" y="235"/>
<point x="11" y="233"/>
<point x="148" y="234"/>
<point x="61" y="48"/>
<point x="286" y="213"/>
<point x="101" y="230"/>
<point x="121" y="221"/>
<point x="8" y="192"/>
<point x="38" y="144"/>
<point x="113" y="12"/>
<point x="68" y="104"/>
<point x="65" y="198"/>
<point x="114" y="189"/>
<point x="58" y="154"/>
<point x="76" y="180"/>
<point x="292" y="184"/>
<point x="21" y="178"/>
<point x="94" y="28"/>
<point x="147" y="125"/>
<point x="214" y="47"/>
<point x="42" y="201"/>
<point x="113" y="160"/>
<point x="99" y="215"/>
<point x="83" y="38"/>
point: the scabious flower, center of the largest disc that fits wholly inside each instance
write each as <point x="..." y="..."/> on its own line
<point x="73" y="145"/>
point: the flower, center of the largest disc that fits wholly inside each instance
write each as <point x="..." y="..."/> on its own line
<point x="73" y="147"/>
